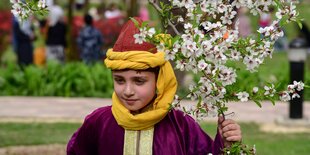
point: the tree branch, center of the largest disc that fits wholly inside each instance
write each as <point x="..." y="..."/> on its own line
<point x="155" y="5"/>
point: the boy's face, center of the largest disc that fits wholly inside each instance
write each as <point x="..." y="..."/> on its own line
<point x="135" y="89"/>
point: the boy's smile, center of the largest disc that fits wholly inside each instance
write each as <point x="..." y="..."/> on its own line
<point x="135" y="89"/>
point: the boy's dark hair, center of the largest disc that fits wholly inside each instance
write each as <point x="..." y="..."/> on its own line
<point x="88" y="19"/>
<point x="154" y="70"/>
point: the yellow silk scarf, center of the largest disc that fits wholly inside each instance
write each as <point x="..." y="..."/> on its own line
<point x="166" y="87"/>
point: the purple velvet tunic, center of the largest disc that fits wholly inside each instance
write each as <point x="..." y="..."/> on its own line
<point x="176" y="134"/>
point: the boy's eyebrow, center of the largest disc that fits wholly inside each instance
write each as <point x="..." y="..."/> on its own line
<point x="119" y="76"/>
<point x="144" y="77"/>
<point x="133" y="77"/>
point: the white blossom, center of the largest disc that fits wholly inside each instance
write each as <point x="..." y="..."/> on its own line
<point x="188" y="26"/>
<point x="139" y="38"/>
<point x="206" y="45"/>
<point x="151" y="32"/>
<point x="161" y="47"/>
<point x="192" y="95"/>
<point x="222" y="8"/>
<point x="170" y="55"/>
<point x="251" y="63"/>
<point x="17" y="10"/>
<point x="255" y="90"/>
<point x="254" y="149"/>
<point x="41" y="3"/>
<point x="227" y="75"/>
<point x="269" y="91"/>
<point x="298" y="85"/>
<point x="295" y="95"/>
<point x="202" y="64"/>
<point x="235" y="55"/>
<point x="213" y="111"/>
<point x="181" y="19"/>
<point x="291" y="88"/>
<point x="243" y="96"/>
<point x="181" y="65"/>
<point x="285" y="96"/>
<point x="15" y="1"/>
<point x="177" y="3"/>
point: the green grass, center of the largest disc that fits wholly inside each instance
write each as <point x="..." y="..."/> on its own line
<point x="12" y="134"/>
<point x="270" y="143"/>
<point x="35" y="133"/>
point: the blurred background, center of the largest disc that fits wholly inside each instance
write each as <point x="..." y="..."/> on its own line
<point x="61" y="55"/>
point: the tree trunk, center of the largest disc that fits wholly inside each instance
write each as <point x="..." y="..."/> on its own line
<point x="133" y="8"/>
<point x="70" y="51"/>
<point x="86" y="6"/>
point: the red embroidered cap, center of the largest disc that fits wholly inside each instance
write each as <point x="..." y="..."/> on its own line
<point x="126" y="42"/>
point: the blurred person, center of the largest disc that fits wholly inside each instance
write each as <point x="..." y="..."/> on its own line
<point x="79" y="4"/>
<point x="244" y="23"/>
<point x="90" y="42"/>
<point x="112" y="12"/>
<point x="56" y="35"/>
<point x="49" y="3"/>
<point x="24" y="36"/>
<point x="144" y="13"/>
<point x="265" y="18"/>
<point x="94" y="13"/>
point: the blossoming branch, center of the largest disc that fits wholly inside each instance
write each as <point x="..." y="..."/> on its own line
<point x="210" y="39"/>
<point x="22" y="9"/>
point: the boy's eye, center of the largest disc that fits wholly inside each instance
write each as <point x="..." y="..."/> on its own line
<point x="119" y="81"/>
<point x="140" y="81"/>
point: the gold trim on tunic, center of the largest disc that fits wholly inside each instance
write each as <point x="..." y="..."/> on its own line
<point x="138" y="142"/>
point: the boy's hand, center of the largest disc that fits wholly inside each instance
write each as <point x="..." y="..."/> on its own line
<point x="229" y="130"/>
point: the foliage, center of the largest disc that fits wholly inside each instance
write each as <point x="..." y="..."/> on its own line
<point x="72" y="79"/>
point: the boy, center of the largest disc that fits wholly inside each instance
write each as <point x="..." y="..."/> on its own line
<point x="139" y="120"/>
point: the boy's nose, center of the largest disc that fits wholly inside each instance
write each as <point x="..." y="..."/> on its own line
<point x="128" y="91"/>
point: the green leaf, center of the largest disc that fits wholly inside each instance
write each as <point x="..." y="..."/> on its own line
<point x="199" y="101"/>
<point x="135" y="22"/>
<point x="202" y="110"/>
<point x="144" y="24"/>
<point x="258" y="103"/>
<point x="299" y="24"/>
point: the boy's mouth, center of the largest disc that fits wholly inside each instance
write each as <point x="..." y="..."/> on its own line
<point x="130" y="101"/>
